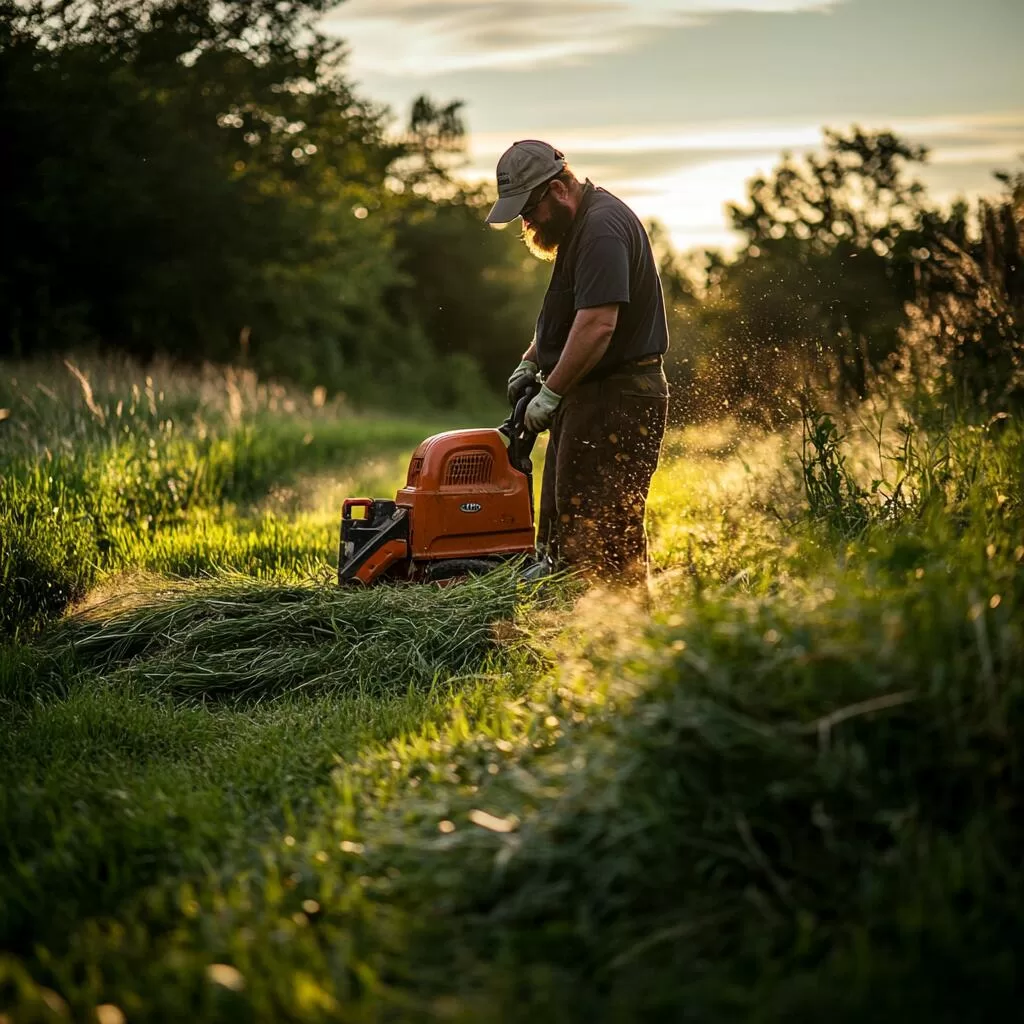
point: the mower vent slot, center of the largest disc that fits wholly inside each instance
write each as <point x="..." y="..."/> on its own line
<point x="468" y="468"/>
<point x="414" y="471"/>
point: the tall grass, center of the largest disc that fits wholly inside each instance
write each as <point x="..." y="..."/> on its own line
<point x="791" y="792"/>
<point x="969" y="472"/>
<point x="103" y="471"/>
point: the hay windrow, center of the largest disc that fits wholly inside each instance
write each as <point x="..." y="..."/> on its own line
<point x="232" y="635"/>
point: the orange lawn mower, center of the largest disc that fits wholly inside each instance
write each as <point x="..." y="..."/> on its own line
<point x="466" y="508"/>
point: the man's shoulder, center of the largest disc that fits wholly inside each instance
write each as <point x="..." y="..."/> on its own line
<point x="608" y="213"/>
<point x="604" y="203"/>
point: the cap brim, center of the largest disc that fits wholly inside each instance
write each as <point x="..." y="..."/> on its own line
<point x="508" y="208"/>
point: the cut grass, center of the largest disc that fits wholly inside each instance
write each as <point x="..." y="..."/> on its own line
<point x="122" y="709"/>
<point x="231" y="636"/>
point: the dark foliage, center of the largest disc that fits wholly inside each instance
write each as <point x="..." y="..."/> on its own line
<point x="200" y="178"/>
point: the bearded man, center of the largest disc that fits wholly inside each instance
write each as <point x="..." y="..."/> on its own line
<point x="598" y="347"/>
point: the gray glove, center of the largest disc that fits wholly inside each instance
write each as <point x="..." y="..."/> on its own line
<point x="541" y="410"/>
<point x="522" y="377"/>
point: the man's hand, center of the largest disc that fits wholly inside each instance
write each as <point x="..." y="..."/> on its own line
<point x="541" y="410"/>
<point x="522" y="377"/>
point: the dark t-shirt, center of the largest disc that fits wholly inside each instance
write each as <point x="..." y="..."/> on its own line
<point x="606" y="259"/>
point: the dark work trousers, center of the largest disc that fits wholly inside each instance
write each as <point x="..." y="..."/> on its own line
<point x="603" y="449"/>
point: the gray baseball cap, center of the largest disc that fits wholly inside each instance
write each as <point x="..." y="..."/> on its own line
<point x="521" y="168"/>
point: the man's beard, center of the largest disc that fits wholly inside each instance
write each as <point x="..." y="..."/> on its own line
<point x="543" y="240"/>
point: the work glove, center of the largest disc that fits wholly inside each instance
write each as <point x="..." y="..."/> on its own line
<point x="541" y="410"/>
<point x="522" y="377"/>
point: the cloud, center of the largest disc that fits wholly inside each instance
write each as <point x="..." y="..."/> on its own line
<point x="684" y="175"/>
<point x="427" y="37"/>
<point x="661" y="139"/>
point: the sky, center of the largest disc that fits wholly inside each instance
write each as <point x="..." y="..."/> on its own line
<point x="674" y="105"/>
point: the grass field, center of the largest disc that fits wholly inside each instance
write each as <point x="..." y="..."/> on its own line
<point x="231" y="791"/>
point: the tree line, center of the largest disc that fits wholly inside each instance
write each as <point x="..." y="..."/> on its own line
<point x="198" y="178"/>
<point x="848" y="273"/>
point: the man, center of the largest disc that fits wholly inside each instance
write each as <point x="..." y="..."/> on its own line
<point x="598" y="347"/>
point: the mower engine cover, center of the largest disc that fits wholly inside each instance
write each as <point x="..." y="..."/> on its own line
<point x="464" y="507"/>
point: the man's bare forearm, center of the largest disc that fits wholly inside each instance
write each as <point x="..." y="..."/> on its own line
<point x="588" y="341"/>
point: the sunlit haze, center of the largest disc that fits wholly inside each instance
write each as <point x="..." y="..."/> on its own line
<point x="675" y="104"/>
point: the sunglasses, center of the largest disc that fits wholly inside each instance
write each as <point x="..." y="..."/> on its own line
<point x="532" y="203"/>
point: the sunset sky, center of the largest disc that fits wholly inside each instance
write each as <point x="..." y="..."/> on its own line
<point x="674" y="104"/>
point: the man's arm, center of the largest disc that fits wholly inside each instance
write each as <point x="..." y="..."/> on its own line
<point x="588" y="341"/>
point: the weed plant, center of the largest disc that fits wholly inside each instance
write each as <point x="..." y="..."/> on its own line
<point x="952" y="469"/>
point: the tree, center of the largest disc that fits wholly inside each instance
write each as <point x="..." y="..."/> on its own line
<point x="829" y="256"/>
<point x="474" y="289"/>
<point x="187" y="173"/>
<point x="198" y="177"/>
<point x="434" y="144"/>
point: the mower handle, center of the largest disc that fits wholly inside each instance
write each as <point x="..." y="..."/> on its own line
<point x="520" y="439"/>
<point x="351" y="503"/>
